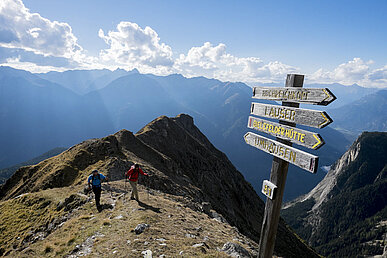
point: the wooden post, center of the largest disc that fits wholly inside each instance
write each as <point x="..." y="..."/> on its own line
<point x="279" y="171"/>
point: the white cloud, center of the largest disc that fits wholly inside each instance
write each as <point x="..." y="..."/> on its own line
<point x="355" y="71"/>
<point x="133" y="47"/>
<point x="214" y="62"/>
<point x="351" y="71"/>
<point x="29" y="66"/>
<point x="346" y="73"/>
<point x="378" y="76"/>
<point x="19" y="28"/>
<point x="31" y="42"/>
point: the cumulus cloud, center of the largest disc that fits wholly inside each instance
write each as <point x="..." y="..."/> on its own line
<point x="15" y="62"/>
<point x="31" y="42"/>
<point x="351" y="71"/>
<point x="134" y="47"/>
<point x="40" y="60"/>
<point x="19" y="28"/>
<point x="346" y="73"/>
<point x="214" y="62"/>
<point x="356" y="71"/>
<point x="379" y="76"/>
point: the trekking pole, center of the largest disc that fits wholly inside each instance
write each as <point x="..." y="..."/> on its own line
<point x="147" y="186"/>
<point x="125" y="189"/>
<point x="110" y="189"/>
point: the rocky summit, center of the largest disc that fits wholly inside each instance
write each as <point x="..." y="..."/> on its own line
<point x="194" y="203"/>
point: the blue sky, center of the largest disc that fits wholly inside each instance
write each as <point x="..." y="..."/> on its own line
<point x="251" y="41"/>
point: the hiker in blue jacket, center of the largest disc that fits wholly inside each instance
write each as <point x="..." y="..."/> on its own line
<point x="95" y="181"/>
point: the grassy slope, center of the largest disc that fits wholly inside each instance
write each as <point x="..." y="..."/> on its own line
<point x="168" y="218"/>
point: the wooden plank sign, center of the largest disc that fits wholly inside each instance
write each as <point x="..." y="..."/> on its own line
<point x="295" y="135"/>
<point x="317" y="96"/>
<point x="299" y="158"/>
<point x="269" y="189"/>
<point x="313" y="118"/>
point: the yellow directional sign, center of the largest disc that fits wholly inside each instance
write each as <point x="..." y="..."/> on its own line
<point x="317" y="96"/>
<point x="295" y="135"/>
<point x="313" y="118"/>
<point x="299" y="158"/>
<point x="319" y="142"/>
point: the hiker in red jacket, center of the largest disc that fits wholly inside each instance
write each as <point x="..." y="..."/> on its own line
<point x="132" y="175"/>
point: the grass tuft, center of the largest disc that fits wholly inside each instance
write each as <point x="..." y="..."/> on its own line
<point x="48" y="249"/>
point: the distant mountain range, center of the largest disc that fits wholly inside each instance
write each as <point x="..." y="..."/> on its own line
<point x="345" y="215"/>
<point x="37" y="115"/>
<point x="39" y="112"/>
<point x="346" y="94"/>
<point x="366" y="114"/>
<point x="84" y="81"/>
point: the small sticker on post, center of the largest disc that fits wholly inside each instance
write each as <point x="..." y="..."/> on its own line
<point x="269" y="189"/>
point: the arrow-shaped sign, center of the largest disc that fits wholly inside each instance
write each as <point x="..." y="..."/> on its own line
<point x="313" y="118"/>
<point x="298" y="136"/>
<point x="317" y="96"/>
<point x="299" y="158"/>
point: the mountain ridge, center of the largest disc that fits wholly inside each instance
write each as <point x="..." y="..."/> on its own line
<point x="84" y="81"/>
<point x="365" y="114"/>
<point x="182" y="162"/>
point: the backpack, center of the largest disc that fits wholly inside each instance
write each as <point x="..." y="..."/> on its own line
<point x="98" y="176"/>
<point x="134" y="173"/>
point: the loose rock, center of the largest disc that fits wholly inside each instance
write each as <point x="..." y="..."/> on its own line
<point x="235" y="250"/>
<point x="190" y="235"/>
<point x="206" y="207"/>
<point x="147" y="254"/>
<point x="140" y="228"/>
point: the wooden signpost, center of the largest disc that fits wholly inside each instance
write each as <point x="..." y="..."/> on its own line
<point x="289" y="114"/>
<point x="299" y="158"/>
<point x="313" y="118"/>
<point x="296" y="95"/>
<point x="269" y="189"/>
<point x="298" y="136"/>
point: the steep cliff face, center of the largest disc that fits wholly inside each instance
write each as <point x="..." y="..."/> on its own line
<point x="349" y="204"/>
<point x="182" y="162"/>
<point x="323" y="191"/>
